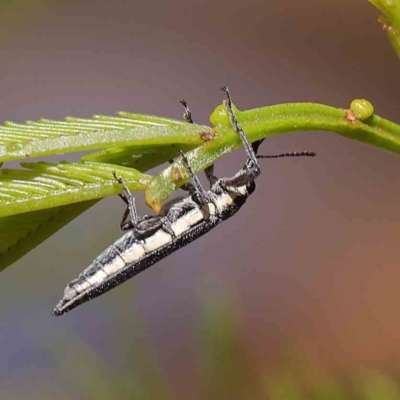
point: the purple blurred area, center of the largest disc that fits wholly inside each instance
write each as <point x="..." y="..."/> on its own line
<point x="309" y="267"/>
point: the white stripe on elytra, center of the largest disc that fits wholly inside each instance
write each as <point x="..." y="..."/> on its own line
<point x="186" y="221"/>
<point x="133" y="252"/>
<point x="154" y="242"/>
<point x="114" y="265"/>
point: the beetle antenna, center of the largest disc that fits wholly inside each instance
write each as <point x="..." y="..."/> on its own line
<point x="246" y="144"/>
<point x="290" y="154"/>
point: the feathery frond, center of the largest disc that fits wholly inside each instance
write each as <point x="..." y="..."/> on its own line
<point x="47" y="137"/>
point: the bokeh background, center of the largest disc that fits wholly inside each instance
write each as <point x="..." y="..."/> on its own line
<point x="298" y="293"/>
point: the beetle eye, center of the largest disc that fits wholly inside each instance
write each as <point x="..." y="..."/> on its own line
<point x="251" y="187"/>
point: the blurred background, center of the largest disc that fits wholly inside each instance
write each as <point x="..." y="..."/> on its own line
<point x="297" y="295"/>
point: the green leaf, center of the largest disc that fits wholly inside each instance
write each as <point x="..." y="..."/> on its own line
<point x="47" y="137"/>
<point x="21" y="233"/>
<point x="47" y="185"/>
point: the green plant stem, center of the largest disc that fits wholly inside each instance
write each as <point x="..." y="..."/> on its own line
<point x="263" y="122"/>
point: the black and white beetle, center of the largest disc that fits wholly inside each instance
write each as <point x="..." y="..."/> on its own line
<point x="151" y="238"/>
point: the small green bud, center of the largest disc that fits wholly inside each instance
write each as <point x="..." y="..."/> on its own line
<point x="220" y="115"/>
<point x="362" y="109"/>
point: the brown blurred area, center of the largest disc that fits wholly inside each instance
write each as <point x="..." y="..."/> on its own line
<point x="310" y="266"/>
